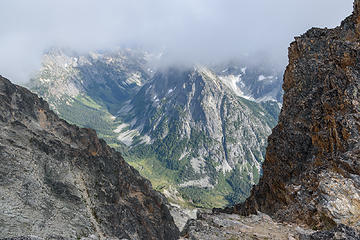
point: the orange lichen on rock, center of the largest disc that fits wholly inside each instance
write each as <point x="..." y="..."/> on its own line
<point x="316" y="143"/>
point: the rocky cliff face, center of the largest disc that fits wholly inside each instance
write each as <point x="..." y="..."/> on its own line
<point x="211" y="139"/>
<point x="204" y="113"/>
<point x="312" y="171"/>
<point x="260" y="226"/>
<point x="58" y="181"/>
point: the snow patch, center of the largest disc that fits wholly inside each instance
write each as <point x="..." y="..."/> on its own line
<point x="233" y="83"/>
<point x="183" y="155"/>
<point x="127" y="136"/>
<point x="266" y="98"/>
<point x="202" y="183"/>
<point x="146" y="139"/>
<point x="197" y="164"/>
<point x="243" y="70"/>
<point x="121" y="127"/>
<point x="225" y="167"/>
<point x="155" y="98"/>
<point x="206" y="72"/>
<point x="135" y="78"/>
<point x="262" y="78"/>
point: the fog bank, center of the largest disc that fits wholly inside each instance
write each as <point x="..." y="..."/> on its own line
<point x="187" y="30"/>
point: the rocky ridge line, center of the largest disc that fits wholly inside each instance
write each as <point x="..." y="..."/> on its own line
<point x="311" y="174"/>
<point x="58" y="181"/>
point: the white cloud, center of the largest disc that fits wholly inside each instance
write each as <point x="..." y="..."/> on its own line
<point x="191" y="30"/>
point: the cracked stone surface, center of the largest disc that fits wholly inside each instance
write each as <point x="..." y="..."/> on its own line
<point x="58" y="181"/>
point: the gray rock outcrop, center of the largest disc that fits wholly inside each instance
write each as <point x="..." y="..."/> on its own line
<point x="312" y="171"/>
<point x="59" y="181"/>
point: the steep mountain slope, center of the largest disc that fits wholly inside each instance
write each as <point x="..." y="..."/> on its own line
<point x="256" y="81"/>
<point x="212" y="140"/>
<point x="311" y="172"/>
<point x="111" y="76"/>
<point x="185" y="129"/>
<point x="58" y="181"/>
<point x="87" y="89"/>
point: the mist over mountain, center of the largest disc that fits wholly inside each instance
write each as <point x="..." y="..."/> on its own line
<point x="185" y="31"/>
<point x="175" y="120"/>
<point x="197" y="133"/>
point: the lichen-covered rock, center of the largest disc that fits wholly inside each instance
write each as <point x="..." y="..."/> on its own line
<point x="311" y="173"/>
<point x="58" y="181"/>
<point x="231" y="226"/>
<point x="340" y="232"/>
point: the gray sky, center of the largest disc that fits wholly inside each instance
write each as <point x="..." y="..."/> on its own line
<point x="191" y="30"/>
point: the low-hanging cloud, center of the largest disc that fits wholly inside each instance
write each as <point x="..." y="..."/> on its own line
<point x="188" y="30"/>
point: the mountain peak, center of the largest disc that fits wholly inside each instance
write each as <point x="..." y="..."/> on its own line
<point x="183" y="115"/>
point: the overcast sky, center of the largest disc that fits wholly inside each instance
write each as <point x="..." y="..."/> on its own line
<point x="190" y="30"/>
